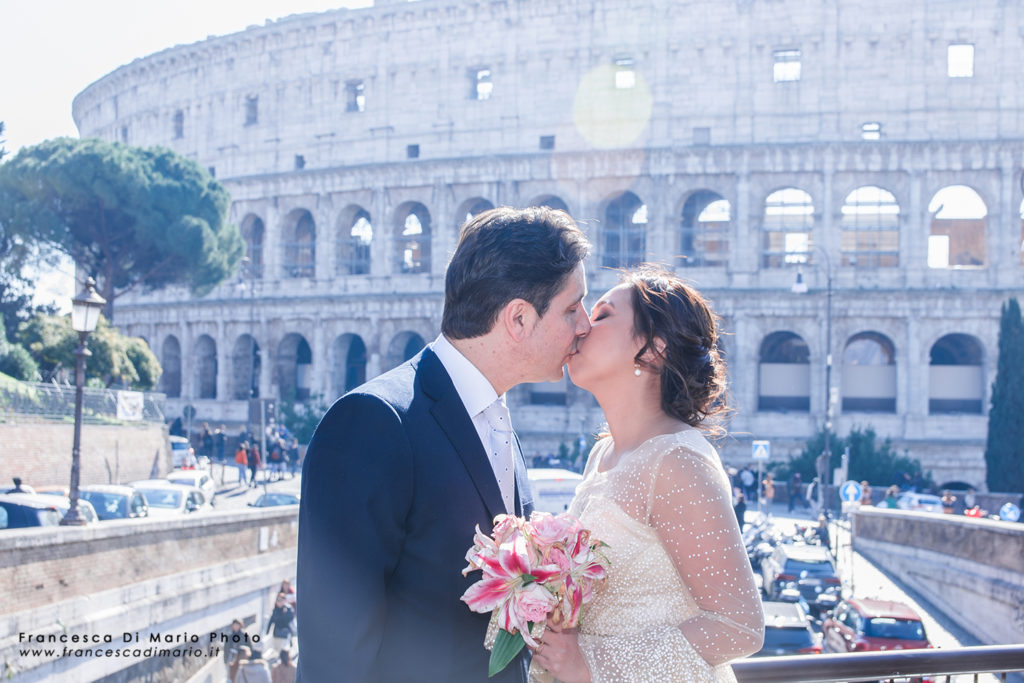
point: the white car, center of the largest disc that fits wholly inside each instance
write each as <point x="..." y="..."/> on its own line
<point x="171" y="500"/>
<point x="922" y="502"/>
<point x="553" y="489"/>
<point x="201" y="479"/>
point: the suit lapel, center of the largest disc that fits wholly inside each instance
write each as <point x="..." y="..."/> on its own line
<point x="524" y="497"/>
<point x="451" y="415"/>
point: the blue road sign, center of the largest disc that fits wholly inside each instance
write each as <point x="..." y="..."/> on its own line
<point x="850" y="492"/>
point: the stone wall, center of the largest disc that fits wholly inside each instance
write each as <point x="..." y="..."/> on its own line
<point x="40" y="452"/>
<point x="164" y="578"/>
<point x="968" y="568"/>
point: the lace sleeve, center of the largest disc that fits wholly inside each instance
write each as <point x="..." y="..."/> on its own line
<point x="690" y="508"/>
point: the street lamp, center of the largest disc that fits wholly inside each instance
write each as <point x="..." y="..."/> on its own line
<point x="800" y="287"/>
<point x="85" y="313"/>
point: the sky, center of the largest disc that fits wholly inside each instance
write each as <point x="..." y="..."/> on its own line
<point x="50" y="50"/>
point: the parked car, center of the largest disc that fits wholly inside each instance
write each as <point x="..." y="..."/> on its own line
<point x="787" y="631"/>
<point x="23" y="510"/>
<point x="922" y="502"/>
<point x="113" y="501"/>
<point x="807" y="568"/>
<point x="553" y="488"/>
<point x="274" y="499"/>
<point x="168" y="500"/>
<point x="863" y="625"/>
<point x="198" y="478"/>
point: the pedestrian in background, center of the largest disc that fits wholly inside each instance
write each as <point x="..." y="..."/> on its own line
<point x="284" y="671"/>
<point x="948" y="502"/>
<point x="206" y="441"/>
<point x="232" y="649"/>
<point x="768" y="491"/>
<point x="282" y="623"/>
<point x="740" y="508"/>
<point x="254" y="461"/>
<point x="253" y="670"/>
<point x="796" y="491"/>
<point x="891" y="495"/>
<point x="242" y="462"/>
<point x="865" y="493"/>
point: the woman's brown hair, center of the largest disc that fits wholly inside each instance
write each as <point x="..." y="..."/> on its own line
<point x="668" y="311"/>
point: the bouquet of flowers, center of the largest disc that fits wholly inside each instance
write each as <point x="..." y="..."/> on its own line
<point x="532" y="569"/>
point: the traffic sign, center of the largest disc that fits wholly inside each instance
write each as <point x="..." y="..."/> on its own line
<point x="850" y="492"/>
<point x="762" y="450"/>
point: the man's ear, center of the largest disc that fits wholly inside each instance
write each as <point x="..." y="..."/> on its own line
<point x="518" y="318"/>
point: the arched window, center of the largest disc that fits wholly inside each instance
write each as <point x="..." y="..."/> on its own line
<point x="957" y="238"/>
<point x="625" y="232"/>
<point x="784" y="373"/>
<point x="294" y="360"/>
<point x="348" y="363"/>
<point x="355" y="235"/>
<point x="870" y="236"/>
<point x="170" y="361"/>
<point x="704" y="231"/>
<point x="956" y="376"/>
<point x="206" y="367"/>
<point x="552" y="202"/>
<point x="404" y="346"/>
<point x="788" y="221"/>
<point x="412" y="238"/>
<point x="869" y="374"/>
<point x="469" y="209"/>
<point x="300" y="250"/>
<point x="245" y="368"/>
<point x="252" y="233"/>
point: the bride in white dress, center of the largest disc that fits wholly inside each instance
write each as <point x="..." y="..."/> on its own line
<point x="679" y="601"/>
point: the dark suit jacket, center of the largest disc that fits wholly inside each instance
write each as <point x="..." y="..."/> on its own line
<point x="394" y="482"/>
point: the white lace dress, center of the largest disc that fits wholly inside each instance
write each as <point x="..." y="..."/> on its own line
<point x="679" y="602"/>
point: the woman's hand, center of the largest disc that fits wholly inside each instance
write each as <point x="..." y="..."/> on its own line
<point x="558" y="651"/>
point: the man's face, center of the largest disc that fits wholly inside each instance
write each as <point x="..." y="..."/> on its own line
<point x="554" y="335"/>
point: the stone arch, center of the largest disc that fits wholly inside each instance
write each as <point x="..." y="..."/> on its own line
<point x="404" y="346"/>
<point x="624" y="233"/>
<point x="552" y="202"/>
<point x="300" y="244"/>
<point x="412" y="238"/>
<point x="205" y="353"/>
<point x="958" y="224"/>
<point x="170" y="361"/>
<point x="253" y="232"/>
<point x="956" y="375"/>
<point x="784" y="373"/>
<point x="869" y="373"/>
<point x="245" y="368"/>
<point x="293" y="364"/>
<point x="355" y="236"/>
<point x="704" y="230"/>
<point x="870" y="228"/>
<point x="787" y="225"/>
<point x="470" y="209"/>
<point x="348" y="363"/>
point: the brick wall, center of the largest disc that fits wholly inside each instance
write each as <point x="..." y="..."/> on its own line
<point x="40" y="453"/>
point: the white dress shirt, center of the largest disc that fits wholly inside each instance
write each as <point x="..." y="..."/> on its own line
<point x="478" y="395"/>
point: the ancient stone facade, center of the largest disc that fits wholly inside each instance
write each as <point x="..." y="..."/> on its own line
<point x="872" y="150"/>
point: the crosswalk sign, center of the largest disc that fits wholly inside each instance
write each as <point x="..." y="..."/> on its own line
<point x="762" y="450"/>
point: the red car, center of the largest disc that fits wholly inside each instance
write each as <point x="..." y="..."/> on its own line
<point x="863" y="625"/>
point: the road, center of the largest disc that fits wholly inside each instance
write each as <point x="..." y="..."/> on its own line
<point x="231" y="496"/>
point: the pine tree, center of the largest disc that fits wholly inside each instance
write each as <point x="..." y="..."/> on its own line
<point x="1004" y="452"/>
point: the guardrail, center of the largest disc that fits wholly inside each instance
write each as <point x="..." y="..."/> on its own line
<point x="882" y="666"/>
<point x="55" y="401"/>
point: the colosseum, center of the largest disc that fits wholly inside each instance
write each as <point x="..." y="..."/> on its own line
<point x="843" y="179"/>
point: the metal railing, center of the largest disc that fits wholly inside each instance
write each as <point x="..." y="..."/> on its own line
<point x="936" y="664"/>
<point x="24" y="401"/>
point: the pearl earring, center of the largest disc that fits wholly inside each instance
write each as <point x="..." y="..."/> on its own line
<point x="636" y="369"/>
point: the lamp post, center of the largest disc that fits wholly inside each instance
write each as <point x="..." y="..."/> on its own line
<point x="800" y="287"/>
<point x="85" y="313"/>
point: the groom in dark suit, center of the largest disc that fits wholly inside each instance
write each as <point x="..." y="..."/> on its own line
<point x="401" y="469"/>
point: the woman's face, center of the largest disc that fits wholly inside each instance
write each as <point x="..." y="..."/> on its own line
<point x="606" y="355"/>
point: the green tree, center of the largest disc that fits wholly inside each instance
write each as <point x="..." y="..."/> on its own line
<point x="15" y="360"/>
<point x="115" y="359"/>
<point x="301" y="418"/>
<point x="878" y="463"/>
<point x="3" y="151"/>
<point x="1004" y="450"/>
<point x="130" y="217"/>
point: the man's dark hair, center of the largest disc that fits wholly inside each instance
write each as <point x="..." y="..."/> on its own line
<point x="506" y="254"/>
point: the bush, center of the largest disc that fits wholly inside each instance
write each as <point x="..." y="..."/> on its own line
<point x="301" y="419"/>
<point x="18" y="363"/>
<point x="878" y="464"/>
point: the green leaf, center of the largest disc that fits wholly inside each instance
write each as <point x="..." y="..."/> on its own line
<point x="506" y="647"/>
